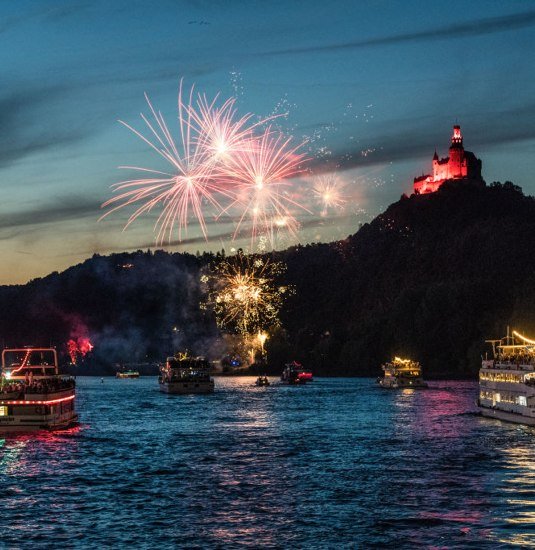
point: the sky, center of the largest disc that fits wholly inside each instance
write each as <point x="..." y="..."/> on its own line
<point x="373" y="87"/>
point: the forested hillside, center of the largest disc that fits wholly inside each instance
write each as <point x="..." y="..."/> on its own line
<point x="431" y="278"/>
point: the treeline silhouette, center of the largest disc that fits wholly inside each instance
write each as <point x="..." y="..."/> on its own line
<point x="431" y="278"/>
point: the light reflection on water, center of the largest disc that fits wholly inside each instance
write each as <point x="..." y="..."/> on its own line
<point x="338" y="463"/>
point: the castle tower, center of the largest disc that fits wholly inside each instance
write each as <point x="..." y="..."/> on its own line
<point x="455" y="165"/>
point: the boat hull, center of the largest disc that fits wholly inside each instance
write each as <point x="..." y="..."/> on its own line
<point x="182" y="388"/>
<point x="498" y="414"/>
<point x="36" y="423"/>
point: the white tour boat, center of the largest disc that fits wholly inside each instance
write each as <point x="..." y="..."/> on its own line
<point x="184" y="374"/>
<point x="507" y="381"/>
<point x="402" y="373"/>
<point x="33" y="395"/>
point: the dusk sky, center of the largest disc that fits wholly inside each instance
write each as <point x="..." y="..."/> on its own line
<point x="373" y="86"/>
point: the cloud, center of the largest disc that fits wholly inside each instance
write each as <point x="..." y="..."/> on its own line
<point x="51" y="13"/>
<point x="477" y="27"/>
<point x="516" y="124"/>
<point x="69" y="208"/>
<point x="28" y="124"/>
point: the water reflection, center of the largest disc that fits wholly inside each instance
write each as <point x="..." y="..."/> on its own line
<point x="518" y="487"/>
<point x="340" y="463"/>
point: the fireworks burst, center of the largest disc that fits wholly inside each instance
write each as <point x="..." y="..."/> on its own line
<point x="78" y="347"/>
<point x="328" y="192"/>
<point x="181" y="193"/>
<point x="221" y="160"/>
<point x="244" y="295"/>
<point x="261" y="174"/>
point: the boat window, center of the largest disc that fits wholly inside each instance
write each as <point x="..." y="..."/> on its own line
<point x="3" y="411"/>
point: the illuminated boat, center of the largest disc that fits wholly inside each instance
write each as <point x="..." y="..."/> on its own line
<point x="127" y="374"/>
<point x="262" y="381"/>
<point x="402" y="373"/>
<point x="33" y="395"/>
<point x="184" y="374"/>
<point x="507" y="380"/>
<point x="294" y="373"/>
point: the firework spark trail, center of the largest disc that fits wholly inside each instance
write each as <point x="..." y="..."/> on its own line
<point x="219" y="130"/>
<point x="182" y="192"/>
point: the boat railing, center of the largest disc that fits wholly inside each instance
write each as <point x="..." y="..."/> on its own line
<point x="184" y="376"/>
<point x="520" y="364"/>
<point x="50" y="386"/>
<point x="41" y="387"/>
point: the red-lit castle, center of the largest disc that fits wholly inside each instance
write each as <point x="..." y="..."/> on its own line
<point x="459" y="165"/>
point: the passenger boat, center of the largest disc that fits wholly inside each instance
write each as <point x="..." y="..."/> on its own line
<point x="294" y="373"/>
<point x="127" y="374"/>
<point x="507" y="380"/>
<point x="33" y="395"/>
<point x="184" y="374"/>
<point x="402" y="373"/>
<point x="262" y="381"/>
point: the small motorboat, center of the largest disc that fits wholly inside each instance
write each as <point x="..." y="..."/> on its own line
<point x="295" y="374"/>
<point x="262" y="381"/>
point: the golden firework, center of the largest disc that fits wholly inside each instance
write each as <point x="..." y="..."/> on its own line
<point x="244" y="294"/>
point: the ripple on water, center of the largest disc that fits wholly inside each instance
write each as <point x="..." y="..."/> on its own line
<point x="339" y="463"/>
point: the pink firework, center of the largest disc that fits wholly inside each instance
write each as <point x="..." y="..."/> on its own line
<point x="260" y="175"/>
<point x="218" y="162"/>
<point x="220" y="131"/>
<point x="328" y="192"/>
<point x="182" y="193"/>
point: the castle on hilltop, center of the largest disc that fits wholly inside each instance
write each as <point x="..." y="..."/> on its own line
<point x="459" y="165"/>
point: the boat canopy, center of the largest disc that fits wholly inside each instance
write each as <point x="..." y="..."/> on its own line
<point x="513" y="343"/>
<point x="35" y="361"/>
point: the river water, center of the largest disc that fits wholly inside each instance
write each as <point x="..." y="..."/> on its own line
<point x="339" y="463"/>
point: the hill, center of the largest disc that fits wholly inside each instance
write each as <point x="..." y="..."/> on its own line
<point x="431" y="278"/>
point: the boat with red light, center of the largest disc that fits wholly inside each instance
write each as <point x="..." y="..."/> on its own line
<point x="33" y="395"/>
<point x="294" y="373"/>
